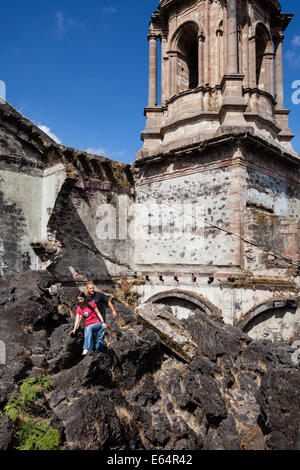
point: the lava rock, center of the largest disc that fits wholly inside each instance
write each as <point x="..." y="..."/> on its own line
<point x="6" y="433"/>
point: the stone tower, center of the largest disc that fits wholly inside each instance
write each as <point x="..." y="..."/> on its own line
<point x="218" y="167"/>
<point x="221" y="68"/>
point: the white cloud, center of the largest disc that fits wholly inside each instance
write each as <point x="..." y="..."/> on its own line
<point x="292" y="54"/>
<point x="50" y="134"/>
<point x="119" y="154"/>
<point x="97" y="151"/>
<point x="107" y="13"/>
<point x="296" y="40"/>
<point x="64" y="24"/>
<point x="292" y="57"/>
<point x="104" y="153"/>
<point x="111" y="9"/>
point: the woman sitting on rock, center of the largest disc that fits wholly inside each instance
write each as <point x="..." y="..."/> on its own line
<point x="94" y="324"/>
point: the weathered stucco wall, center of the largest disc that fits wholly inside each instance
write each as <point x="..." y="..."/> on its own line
<point x="244" y="189"/>
<point x="272" y="213"/>
<point x="187" y="205"/>
<point x="50" y="197"/>
<point x="232" y="300"/>
<point x="86" y="233"/>
<point x="27" y="202"/>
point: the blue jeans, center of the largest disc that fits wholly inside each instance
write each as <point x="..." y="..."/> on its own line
<point x="92" y="332"/>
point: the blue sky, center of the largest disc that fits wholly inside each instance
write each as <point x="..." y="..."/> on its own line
<point x="79" y="68"/>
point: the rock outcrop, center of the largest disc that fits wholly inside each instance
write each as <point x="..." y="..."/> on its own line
<point x="161" y="383"/>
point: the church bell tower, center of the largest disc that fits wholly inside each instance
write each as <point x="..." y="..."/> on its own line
<point x="217" y="169"/>
<point x="221" y="69"/>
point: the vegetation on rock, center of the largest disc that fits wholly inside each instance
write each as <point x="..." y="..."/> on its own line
<point x="32" y="433"/>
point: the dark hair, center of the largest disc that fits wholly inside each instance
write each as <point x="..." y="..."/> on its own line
<point x="82" y="294"/>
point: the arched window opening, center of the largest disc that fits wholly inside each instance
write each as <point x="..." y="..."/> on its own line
<point x="188" y="60"/>
<point x="264" y="60"/>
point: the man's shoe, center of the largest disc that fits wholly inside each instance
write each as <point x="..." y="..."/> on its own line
<point x="85" y="351"/>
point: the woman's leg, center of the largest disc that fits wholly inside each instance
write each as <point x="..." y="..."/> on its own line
<point x="100" y="338"/>
<point x="88" y="338"/>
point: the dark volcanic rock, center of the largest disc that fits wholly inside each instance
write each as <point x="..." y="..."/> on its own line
<point x="91" y="422"/>
<point x="279" y="400"/>
<point x="204" y="392"/>
<point x="6" y="433"/>
<point x="215" y="389"/>
<point x="25" y="317"/>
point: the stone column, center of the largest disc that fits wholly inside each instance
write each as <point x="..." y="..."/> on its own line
<point x="252" y="62"/>
<point x="172" y="73"/>
<point x="152" y="99"/>
<point x="220" y="50"/>
<point x="279" y="72"/>
<point x="270" y="69"/>
<point x="164" y="73"/>
<point x="281" y="114"/>
<point x="201" y="40"/>
<point x="232" y="38"/>
<point x="233" y="105"/>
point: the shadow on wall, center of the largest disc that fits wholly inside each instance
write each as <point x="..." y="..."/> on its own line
<point x="13" y="229"/>
<point x="78" y="251"/>
<point x="185" y="303"/>
<point x="181" y="308"/>
<point x="277" y="324"/>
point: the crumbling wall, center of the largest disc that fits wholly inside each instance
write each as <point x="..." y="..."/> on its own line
<point x="36" y="174"/>
<point x="280" y="324"/>
<point x="77" y="230"/>
<point x="12" y="232"/>
<point x="28" y="198"/>
<point x="185" y="212"/>
<point x="272" y="216"/>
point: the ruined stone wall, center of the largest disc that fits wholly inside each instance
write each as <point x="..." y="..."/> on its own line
<point x="180" y="199"/>
<point x="27" y="201"/>
<point x="244" y="190"/>
<point x="89" y="234"/>
<point x="28" y="192"/>
<point x="244" y="187"/>
<point x="271" y="213"/>
<point x="50" y="199"/>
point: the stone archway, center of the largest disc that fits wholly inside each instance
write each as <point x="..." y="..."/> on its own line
<point x="187" y="47"/>
<point x="277" y="319"/>
<point x="184" y="303"/>
<point x="264" y="57"/>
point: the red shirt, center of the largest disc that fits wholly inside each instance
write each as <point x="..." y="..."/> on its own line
<point x="89" y="314"/>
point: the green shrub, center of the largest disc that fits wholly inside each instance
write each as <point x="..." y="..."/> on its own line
<point x="35" y="435"/>
<point x="32" y="434"/>
<point x="12" y="409"/>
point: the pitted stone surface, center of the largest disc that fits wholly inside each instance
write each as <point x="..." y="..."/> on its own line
<point x="233" y="393"/>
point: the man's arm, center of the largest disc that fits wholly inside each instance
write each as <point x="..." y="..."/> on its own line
<point x="99" y="316"/>
<point x="115" y="315"/>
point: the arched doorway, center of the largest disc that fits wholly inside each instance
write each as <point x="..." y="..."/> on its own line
<point x="183" y="303"/>
<point x="277" y="320"/>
